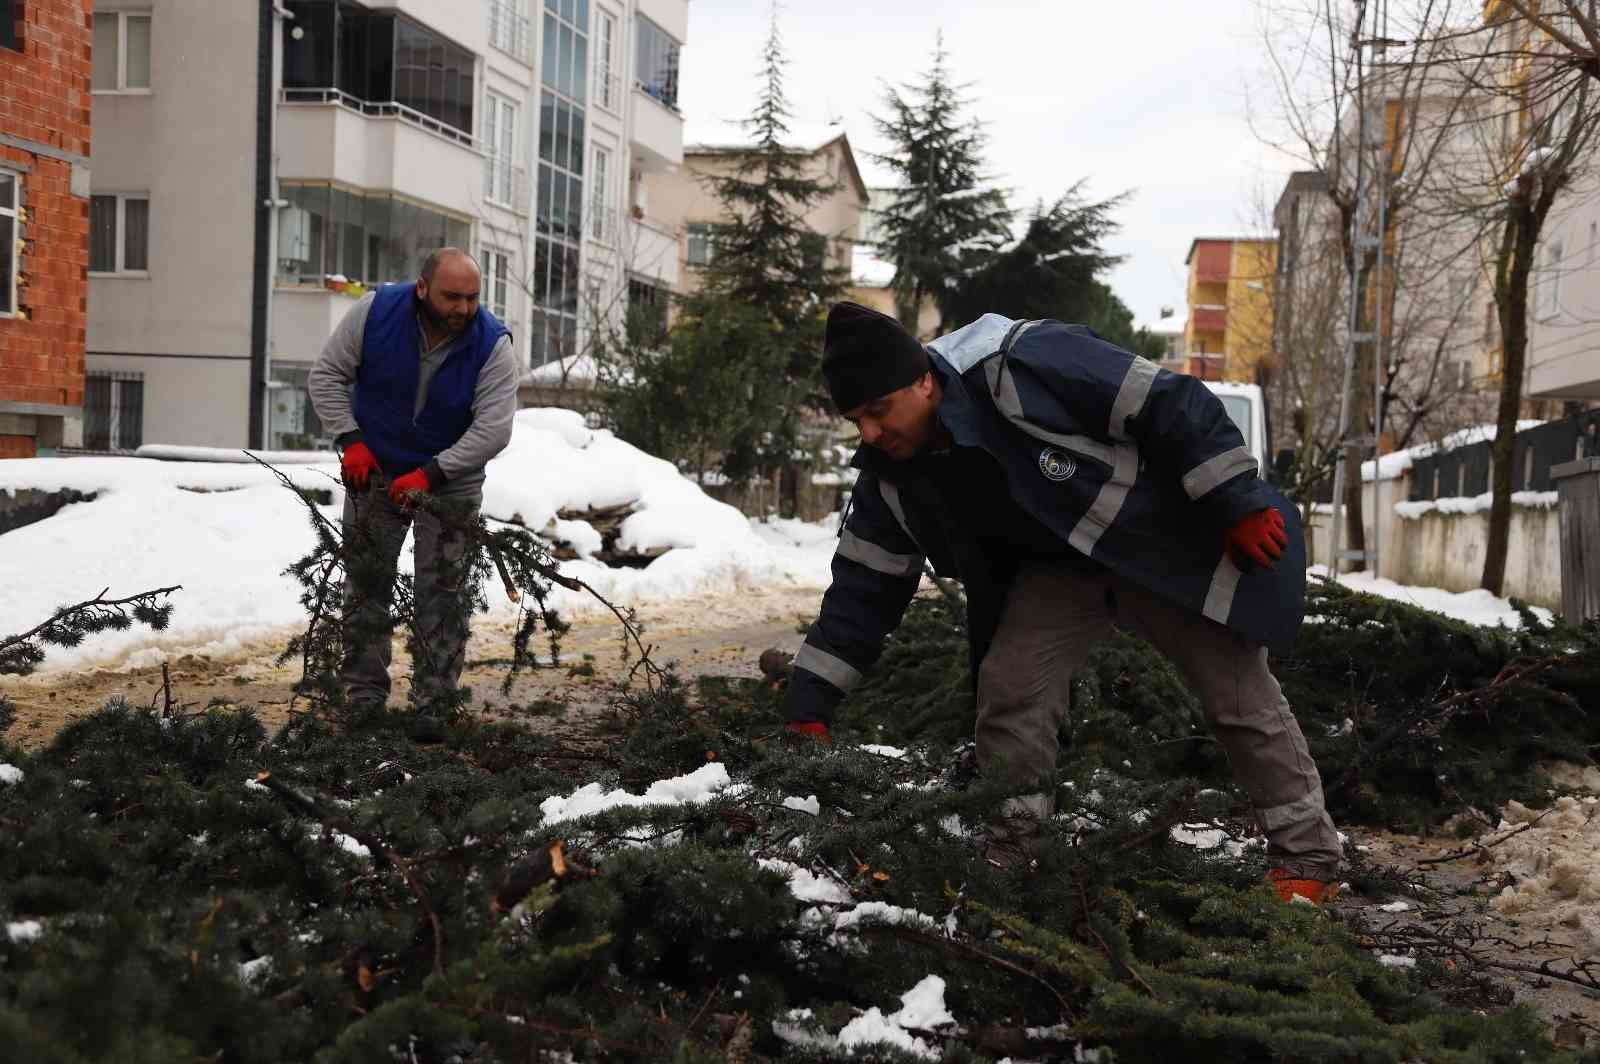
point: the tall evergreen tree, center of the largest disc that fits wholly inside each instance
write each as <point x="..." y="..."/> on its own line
<point x="1055" y="271"/>
<point x="945" y="220"/>
<point x="767" y="258"/>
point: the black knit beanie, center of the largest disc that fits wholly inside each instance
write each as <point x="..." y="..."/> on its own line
<point x="866" y="355"/>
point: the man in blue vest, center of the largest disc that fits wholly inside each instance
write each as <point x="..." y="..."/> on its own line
<point x="1071" y="487"/>
<point x="418" y="385"/>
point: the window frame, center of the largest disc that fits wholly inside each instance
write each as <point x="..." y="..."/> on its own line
<point x="122" y="88"/>
<point x="500" y="147"/>
<point x="119" y="239"/>
<point x="701" y="235"/>
<point x="1549" y="305"/>
<point x="497" y="272"/>
<point x="118" y="405"/>
<point x="10" y="15"/>
<point x="599" y="196"/>
<point x="8" y="285"/>
<point x="605" y="67"/>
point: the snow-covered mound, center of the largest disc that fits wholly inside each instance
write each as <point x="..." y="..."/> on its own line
<point x="226" y="531"/>
<point x="1475" y="607"/>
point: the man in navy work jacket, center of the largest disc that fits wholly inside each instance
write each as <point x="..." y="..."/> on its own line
<point x="418" y="385"/>
<point x="1071" y="486"/>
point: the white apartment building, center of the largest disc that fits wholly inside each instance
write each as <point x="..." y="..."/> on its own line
<point x="1564" y="305"/>
<point x="258" y="164"/>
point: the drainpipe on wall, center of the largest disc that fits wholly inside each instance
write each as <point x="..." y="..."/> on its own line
<point x="266" y="205"/>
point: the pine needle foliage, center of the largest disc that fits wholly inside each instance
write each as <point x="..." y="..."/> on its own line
<point x="342" y="891"/>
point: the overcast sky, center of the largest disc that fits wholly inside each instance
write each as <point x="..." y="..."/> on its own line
<point x="1147" y="96"/>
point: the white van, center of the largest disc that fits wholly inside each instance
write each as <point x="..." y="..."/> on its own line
<point x="1247" y="405"/>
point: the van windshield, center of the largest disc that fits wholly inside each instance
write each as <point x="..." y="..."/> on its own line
<point x="1238" y="408"/>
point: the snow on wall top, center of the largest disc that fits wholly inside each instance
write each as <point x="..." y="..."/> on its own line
<point x="1398" y="463"/>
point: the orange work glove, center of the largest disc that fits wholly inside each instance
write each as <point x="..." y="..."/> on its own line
<point x="357" y="464"/>
<point x="815" y="729"/>
<point x="1258" y="538"/>
<point x="402" y="488"/>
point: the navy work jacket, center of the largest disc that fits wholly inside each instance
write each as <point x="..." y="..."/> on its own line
<point x="1136" y="467"/>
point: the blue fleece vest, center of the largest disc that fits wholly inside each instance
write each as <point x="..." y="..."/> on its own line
<point x="391" y="368"/>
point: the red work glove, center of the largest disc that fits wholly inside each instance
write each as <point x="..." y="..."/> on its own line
<point x="1258" y="538"/>
<point x="357" y="464"/>
<point x="402" y="488"/>
<point x="814" y="729"/>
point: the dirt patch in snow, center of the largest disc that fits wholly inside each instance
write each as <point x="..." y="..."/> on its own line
<point x="1507" y="913"/>
<point x="710" y="635"/>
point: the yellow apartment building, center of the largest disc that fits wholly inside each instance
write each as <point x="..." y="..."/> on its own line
<point x="1228" y="334"/>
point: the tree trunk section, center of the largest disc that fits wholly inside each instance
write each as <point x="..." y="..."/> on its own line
<point x="1514" y="351"/>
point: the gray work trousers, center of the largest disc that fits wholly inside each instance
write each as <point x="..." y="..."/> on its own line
<point x="1053" y="616"/>
<point x="376" y="529"/>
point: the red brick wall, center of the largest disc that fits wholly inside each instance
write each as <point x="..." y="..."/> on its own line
<point x="46" y="94"/>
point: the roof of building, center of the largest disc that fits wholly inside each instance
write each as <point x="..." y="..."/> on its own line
<point x="731" y="138"/>
<point x="1249" y="238"/>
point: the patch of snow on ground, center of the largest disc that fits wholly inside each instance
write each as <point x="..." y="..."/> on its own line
<point x="24" y="930"/>
<point x="10" y="774"/>
<point x="1479" y="606"/>
<point x="881" y="912"/>
<point x="225" y="530"/>
<point x="698" y="786"/>
<point x="1396" y="907"/>
<point x="807" y="885"/>
<point x="921" y="1008"/>
<point x="808" y="804"/>
<point x="884" y="751"/>
<point x="1395" y="960"/>
<point x="1556" y="863"/>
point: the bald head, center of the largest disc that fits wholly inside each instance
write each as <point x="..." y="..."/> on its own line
<point x="447" y="290"/>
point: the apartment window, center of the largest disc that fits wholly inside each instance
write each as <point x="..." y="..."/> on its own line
<point x="605" y="76"/>
<point x="10" y="202"/>
<point x="497" y="282"/>
<point x="370" y="237"/>
<point x="119" y="234"/>
<point x="559" y="200"/>
<point x="10" y="33"/>
<point x="702" y="237"/>
<point x="508" y="27"/>
<point x="499" y="134"/>
<point x="1550" y="281"/>
<point x="121" y="55"/>
<point x="599" y="183"/>
<point x="113" y="411"/>
<point x="657" y="66"/>
<point x="647" y="311"/>
<point x="378" y="62"/>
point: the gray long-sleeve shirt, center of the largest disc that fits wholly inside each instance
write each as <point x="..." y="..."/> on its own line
<point x="494" y="402"/>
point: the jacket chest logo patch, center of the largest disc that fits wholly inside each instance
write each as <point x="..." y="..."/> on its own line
<point x="1056" y="465"/>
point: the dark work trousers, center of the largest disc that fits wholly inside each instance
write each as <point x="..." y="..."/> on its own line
<point x="376" y="529"/>
<point x="1053" y="616"/>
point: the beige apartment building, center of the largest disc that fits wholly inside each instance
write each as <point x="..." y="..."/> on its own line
<point x="271" y="161"/>
<point x="684" y="202"/>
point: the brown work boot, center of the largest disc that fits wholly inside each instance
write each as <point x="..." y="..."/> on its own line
<point x="1010" y="842"/>
<point x="1288" y="886"/>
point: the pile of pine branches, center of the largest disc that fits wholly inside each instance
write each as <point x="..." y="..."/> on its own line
<point x="352" y="889"/>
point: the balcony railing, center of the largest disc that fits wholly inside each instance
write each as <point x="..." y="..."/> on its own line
<point x="380" y="110"/>
<point x="1210" y="319"/>
<point x="510" y="31"/>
